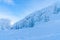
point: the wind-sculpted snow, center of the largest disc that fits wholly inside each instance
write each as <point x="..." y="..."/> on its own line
<point x="38" y="16"/>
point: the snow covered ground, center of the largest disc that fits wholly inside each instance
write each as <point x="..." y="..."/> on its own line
<point x="43" y="30"/>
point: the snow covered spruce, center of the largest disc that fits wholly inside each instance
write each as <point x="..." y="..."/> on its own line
<point x="38" y="16"/>
<point x="29" y="21"/>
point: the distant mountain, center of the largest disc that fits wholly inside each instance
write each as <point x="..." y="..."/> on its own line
<point x="43" y="15"/>
<point x="4" y="24"/>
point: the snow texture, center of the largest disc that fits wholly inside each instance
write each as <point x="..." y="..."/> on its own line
<point x="4" y="24"/>
<point x="40" y="25"/>
<point x="38" y="16"/>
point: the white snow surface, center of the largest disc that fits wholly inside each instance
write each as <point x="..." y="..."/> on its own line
<point x="46" y="29"/>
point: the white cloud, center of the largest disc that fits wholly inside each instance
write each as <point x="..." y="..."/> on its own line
<point x="9" y="2"/>
<point x="10" y="17"/>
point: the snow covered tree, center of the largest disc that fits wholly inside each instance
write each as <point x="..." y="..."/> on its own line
<point x="38" y="16"/>
<point x="25" y="23"/>
<point x="57" y="8"/>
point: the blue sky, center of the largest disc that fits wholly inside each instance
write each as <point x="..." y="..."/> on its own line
<point x="18" y="9"/>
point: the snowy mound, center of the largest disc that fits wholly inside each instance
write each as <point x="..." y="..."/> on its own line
<point x="41" y="25"/>
<point x="44" y="15"/>
<point x="38" y="16"/>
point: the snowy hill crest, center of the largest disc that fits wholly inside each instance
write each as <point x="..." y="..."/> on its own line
<point x="38" y="16"/>
<point x="43" y="15"/>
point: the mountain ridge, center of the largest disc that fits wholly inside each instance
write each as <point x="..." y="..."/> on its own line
<point x="40" y="15"/>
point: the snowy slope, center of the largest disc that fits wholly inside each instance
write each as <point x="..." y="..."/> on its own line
<point x="38" y="16"/>
<point x="42" y="31"/>
<point x="46" y="26"/>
